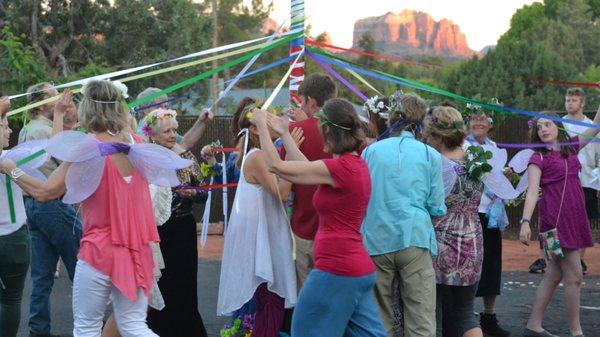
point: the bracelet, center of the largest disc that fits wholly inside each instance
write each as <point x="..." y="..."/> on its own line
<point x="16" y="173"/>
<point x="523" y="220"/>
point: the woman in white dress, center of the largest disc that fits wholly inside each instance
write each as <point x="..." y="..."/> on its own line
<point x="257" y="253"/>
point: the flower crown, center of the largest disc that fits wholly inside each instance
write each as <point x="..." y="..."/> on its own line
<point x="121" y="88"/>
<point x="154" y="116"/>
<point x="375" y="105"/>
<point x="493" y="117"/>
<point x="458" y="125"/>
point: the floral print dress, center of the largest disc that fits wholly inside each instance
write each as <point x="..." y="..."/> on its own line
<point x="459" y="234"/>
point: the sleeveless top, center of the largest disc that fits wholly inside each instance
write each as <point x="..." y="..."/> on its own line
<point x="118" y="226"/>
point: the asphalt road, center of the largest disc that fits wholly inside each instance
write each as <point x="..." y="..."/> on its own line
<point x="513" y="306"/>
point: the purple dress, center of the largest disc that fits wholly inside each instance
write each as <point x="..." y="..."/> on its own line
<point x="459" y="235"/>
<point x="573" y="226"/>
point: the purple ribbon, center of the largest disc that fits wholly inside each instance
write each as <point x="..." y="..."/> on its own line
<point x="339" y="77"/>
<point x="110" y="148"/>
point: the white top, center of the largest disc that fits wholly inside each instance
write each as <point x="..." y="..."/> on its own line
<point x="257" y="249"/>
<point x="484" y="203"/>
<point x="589" y="156"/>
<point x="6" y="227"/>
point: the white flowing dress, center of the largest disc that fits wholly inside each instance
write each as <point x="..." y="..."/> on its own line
<point x="257" y="249"/>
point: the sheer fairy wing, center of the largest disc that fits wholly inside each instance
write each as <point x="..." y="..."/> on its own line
<point x="595" y="183"/>
<point x="500" y="186"/>
<point x="499" y="157"/>
<point x="73" y="146"/>
<point x="157" y="164"/>
<point x="520" y="161"/>
<point x="82" y="180"/>
<point x="25" y="151"/>
<point x="449" y="175"/>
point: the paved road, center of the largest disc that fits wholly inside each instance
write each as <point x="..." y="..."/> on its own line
<point x="513" y="306"/>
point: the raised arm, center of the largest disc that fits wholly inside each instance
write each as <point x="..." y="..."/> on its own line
<point x="192" y="136"/>
<point x="60" y="108"/>
<point x="40" y="191"/>
<point x="281" y="125"/>
<point x="534" y="174"/>
<point x="298" y="172"/>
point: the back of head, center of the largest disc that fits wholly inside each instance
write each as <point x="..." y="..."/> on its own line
<point x="447" y="124"/>
<point x="37" y="93"/>
<point x="341" y="128"/>
<point x="411" y="110"/>
<point x="101" y="108"/>
<point x="319" y="87"/>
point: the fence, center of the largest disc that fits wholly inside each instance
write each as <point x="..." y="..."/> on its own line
<point x="512" y="130"/>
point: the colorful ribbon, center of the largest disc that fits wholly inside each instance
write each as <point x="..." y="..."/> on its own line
<point x="136" y="69"/>
<point x="416" y="85"/>
<point x="338" y="77"/>
<point x="209" y="73"/>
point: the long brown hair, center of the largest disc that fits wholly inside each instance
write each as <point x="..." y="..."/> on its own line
<point x="562" y="137"/>
<point x="239" y="122"/>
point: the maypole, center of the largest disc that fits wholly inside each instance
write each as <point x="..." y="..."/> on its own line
<point x="296" y="46"/>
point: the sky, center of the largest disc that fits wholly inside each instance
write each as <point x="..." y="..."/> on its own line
<point x="482" y="21"/>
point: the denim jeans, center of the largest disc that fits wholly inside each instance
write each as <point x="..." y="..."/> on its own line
<point x="14" y="263"/>
<point x="335" y="306"/>
<point x="55" y="230"/>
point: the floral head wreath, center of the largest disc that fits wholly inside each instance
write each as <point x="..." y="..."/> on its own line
<point x="377" y="106"/>
<point x="154" y="116"/>
<point x="494" y="118"/>
<point x="458" y="125"/>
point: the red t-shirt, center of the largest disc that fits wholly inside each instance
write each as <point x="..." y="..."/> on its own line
<point x="338" y="246"/>
<point x="304" y="217"/>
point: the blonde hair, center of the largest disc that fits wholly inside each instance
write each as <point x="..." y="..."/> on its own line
<point x="446" y="123"/>
<point x="101" y="108"/>
<point x="412" y="111"/>
<point x="36" y="93"/>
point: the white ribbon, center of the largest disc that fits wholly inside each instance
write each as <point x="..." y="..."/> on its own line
<point x="225" y="195"/>
<point x="206" y="216"/>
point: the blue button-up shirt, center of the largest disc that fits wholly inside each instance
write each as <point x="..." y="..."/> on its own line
<point x="406" y="192"/>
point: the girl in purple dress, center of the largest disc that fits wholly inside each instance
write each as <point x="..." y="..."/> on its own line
<point x="555" y="170"/>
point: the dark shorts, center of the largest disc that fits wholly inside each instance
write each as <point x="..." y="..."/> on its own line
<point x="454" y="310"/>
<point x="591" y="202"/>
<point x="491" y="271"/>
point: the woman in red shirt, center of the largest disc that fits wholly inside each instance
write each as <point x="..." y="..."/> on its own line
<point x="337" y="297"/>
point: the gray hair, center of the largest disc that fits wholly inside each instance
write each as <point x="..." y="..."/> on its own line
<point x="151" y="91"/>
<point x="159" y="124"/>
<point x="37" y="93"/>
<point x="101" y="108"/>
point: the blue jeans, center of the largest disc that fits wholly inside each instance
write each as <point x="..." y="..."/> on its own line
<point x="335" y="306"/>
<point x="55" y="230"/>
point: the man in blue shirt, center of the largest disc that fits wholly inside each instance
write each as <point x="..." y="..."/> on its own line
<point x="407" y="191"/>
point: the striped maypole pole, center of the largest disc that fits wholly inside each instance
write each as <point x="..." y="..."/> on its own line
<point x="296" y="45"/>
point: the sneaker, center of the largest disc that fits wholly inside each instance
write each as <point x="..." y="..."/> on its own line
<point x="583" y="267"/>
<point x="490" y="327"/>
<point x="538" y="266"/>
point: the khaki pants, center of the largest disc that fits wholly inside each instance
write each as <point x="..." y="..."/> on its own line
<point x="304" y="260"/>
<point x="416" y="278"/>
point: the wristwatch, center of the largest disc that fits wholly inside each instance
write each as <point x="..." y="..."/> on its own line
<point x="523" y="220"/>
<point x="16" y="173"/>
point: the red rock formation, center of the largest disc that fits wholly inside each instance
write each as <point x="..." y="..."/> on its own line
<point x="412" y="33"/>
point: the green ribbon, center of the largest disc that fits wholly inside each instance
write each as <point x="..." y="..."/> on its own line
<point x="209" y="73"/>
<point x="9" y="190"/>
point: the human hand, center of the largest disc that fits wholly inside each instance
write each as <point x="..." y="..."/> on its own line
<point x="64" y="102"/>
<point x="206" y="115"/>
<point x="298" y="136"/>
<point x="280" y="125"/>
<point x="258" y="117"/>
<point x="208" y="155"/>
<point x="7" y="165"/>
<point x="4" y="104"/>
<point x="525" y="234"/>
<point x="296" y="114"/>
